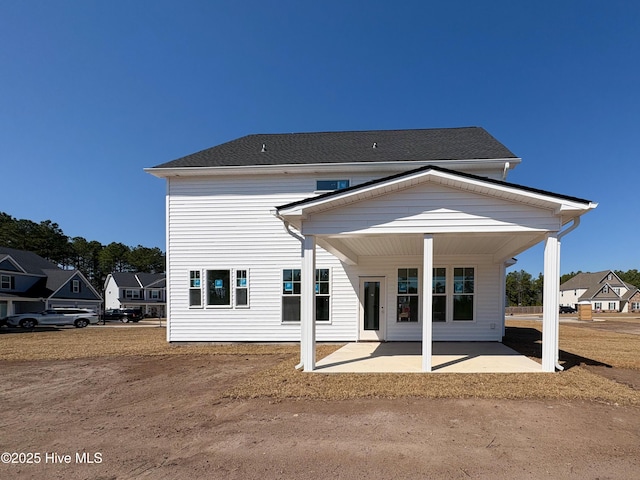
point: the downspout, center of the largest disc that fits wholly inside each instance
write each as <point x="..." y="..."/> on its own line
<point x="287" y="229"/>
<point x="574" y="225"/>
<point x="505" y="170"/>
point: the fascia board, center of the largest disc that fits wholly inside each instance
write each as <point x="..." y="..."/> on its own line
<point x="545" y="201"/>
<point x="468" y="164"/>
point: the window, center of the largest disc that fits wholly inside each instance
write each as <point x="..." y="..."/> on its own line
<point x="242" y="288"/>
<point x="330" y="185"/>
<point x="597" y="306"/>
<point x="635" y="306"/>
<point x="75" y="286"/>
<point x="408" y="297"/>
<point x="7" y="282"/>
<point x="154" y="294"/>
<point x="463" y="293"/>
<point x="439" y="294"/>
<point x="616" y="290"/>
<point x="130" y="294"/>
<point x="322" y="295"/>
<point x="291" y="288"/>
<point x="218" y="291"/>
<point x="612" y="306"/>
<point x="605" y="289"/>
<point x="195" y="289"/>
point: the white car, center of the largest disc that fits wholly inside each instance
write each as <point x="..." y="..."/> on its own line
<point x="79" y="317"/>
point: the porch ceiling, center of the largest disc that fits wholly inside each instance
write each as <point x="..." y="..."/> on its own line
<point x="500" y="246"/>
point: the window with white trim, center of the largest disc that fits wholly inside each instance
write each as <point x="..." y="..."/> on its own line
<point x="612" y="306"/>
<point x="75" y="286"/>
<point x="463" y="293"/>
<point x="195" y="289"/>
<point x="242" y="288"/>
<point x="132" y="294"/>
<point x="439" y="291"/>
<point x="408" y="295"/>
<point x="154" y="294"/>
<point x="597" y="305"/>
<point x="331" y="185"/>
<point x="605" y="289"/>
<point x="7" y="282"/>
<point x="218" y="291"/>
<point x="635" y="306"/>
<point x="291" y="290"/>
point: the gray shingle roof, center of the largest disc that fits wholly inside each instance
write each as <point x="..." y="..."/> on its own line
<point x="32" y="263"/>
<point x="347" y="147"/>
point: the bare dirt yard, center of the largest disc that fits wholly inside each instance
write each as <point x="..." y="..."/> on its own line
<point x="119" y="403"/>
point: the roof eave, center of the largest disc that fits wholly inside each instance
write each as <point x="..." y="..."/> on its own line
<point x="461" y="164"/>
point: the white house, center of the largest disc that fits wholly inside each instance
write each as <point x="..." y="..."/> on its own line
<point x="351" y="236"/>
<point x="604" y="290"/>
<point x="146" y="291"/>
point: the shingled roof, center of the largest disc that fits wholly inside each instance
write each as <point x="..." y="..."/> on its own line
<point x="466" y="143"/>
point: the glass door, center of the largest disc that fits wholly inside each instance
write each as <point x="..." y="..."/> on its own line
<point x="372" y="308"/>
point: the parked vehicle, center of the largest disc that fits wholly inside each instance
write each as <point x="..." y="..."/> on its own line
<point x="80" y="317"/>
<point x="125" y="315"/>
<point x="567" y="310"/>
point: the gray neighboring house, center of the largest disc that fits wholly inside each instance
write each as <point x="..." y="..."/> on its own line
<point x="137" y="290"/>
<point x="604" y="290"/>
<point x="30" y="283"/>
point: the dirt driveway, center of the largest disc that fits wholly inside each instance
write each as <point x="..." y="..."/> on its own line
<point x="165" y="417"/>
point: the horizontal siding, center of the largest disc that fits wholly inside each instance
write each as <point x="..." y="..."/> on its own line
<point x="227" y="223"/>
<point x="434" y="208"/>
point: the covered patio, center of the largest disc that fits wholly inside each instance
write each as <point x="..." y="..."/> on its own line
<point x="406" y="357"/>
<point x="441" y="218"/>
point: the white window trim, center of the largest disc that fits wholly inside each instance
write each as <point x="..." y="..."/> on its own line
<point x="5" y="279"/>
<point x="453" y="293"/>
<point x="316" y="190"/>
<point x="418" y="294"/>
<point x="206" y="287"/>
<point x="330" y="295"/>
<point x="236" y="288"/>
<point x="75" y="286"/>
<point x="189" y="288"/>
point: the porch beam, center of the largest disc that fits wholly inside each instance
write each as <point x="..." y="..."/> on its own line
<point x="427" y="309"/>
<point x="308" y="304"/>
<point x="337" y="248"/>
<point x="550" y="301"/>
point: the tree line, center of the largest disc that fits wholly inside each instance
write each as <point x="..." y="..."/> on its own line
<point x="523" y="290"/>
<point x="93" y="259"/>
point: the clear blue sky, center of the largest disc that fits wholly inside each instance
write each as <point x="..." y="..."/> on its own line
<point x="92" y="92"/>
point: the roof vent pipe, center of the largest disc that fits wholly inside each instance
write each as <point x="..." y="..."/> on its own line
<point x="375" y="145"/>
<point x="264" y="148"/>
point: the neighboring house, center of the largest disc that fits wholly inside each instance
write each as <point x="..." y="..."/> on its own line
<point x="29" y="283"/>
<point x="604" y="290"/>
<point x="397" y="235"/>
<point x="136" y="290"/>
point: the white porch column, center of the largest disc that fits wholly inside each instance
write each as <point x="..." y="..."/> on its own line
<point x="427" y="303"/>
<point x="550" y="301"/>
<point x="308" y="304"/>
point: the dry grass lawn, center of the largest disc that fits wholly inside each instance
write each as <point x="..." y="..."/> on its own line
<point x="578" y="345"/>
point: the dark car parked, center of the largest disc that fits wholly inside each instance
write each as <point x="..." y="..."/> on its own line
<point x="125" y="315"/>
<point x="567" y="310"/>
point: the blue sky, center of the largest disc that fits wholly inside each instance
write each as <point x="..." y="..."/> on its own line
<point x="92" y="92"/>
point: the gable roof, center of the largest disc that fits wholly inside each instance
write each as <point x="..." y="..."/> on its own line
<point x="593" y="283"/>
<point x="426" y="170"/>
<point x="371" y="146"/>
<point x="30" y="262"/>
<point x="139" y="280"/>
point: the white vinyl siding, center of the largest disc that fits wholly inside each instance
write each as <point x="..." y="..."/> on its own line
<point x="228" y="224"/>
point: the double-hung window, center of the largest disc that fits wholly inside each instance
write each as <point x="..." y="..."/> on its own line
<point x="291" y="290"/>
<point x="7" y="282"/>
<point x="439" y="291"/>
<point x="463" y="293"/>
<point x="242" y="288"/>
<point x="195" y="289"/>
<point x="408" y="296"/>
<point x="75" y="286"/>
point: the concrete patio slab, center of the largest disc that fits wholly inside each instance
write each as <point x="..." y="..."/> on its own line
<point x="405" y="357"/>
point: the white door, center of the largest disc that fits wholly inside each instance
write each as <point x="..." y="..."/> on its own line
<point x="373" y="317"/>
